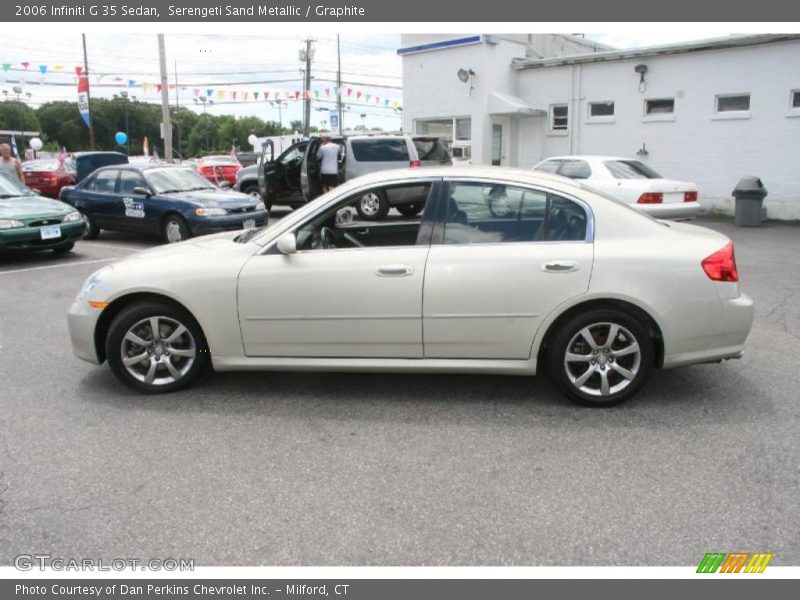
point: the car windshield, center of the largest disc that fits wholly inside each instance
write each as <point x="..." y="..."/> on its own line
<point x="12" y="188"/>
<point x="176" y="179"/>
<point x="630" y="169"/>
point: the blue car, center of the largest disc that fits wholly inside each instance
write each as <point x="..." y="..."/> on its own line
<point x="174" y="202"/>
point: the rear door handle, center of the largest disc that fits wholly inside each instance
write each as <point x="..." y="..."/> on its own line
<point x="559" y="266"/>
<point x="394" y="271"/>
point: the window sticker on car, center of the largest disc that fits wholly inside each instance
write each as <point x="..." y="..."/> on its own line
<point x="133" y="209"/>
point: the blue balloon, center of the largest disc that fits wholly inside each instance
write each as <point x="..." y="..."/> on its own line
<point x="121" y="138"/>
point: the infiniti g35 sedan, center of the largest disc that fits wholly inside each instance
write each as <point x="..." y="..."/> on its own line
<point x="566" y="281"/>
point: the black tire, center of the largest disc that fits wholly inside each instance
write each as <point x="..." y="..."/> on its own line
<point x="175" y="229"/>
<point x="373" y="206"/>
<point x="252" y="190"/>
<point x="605" y="363"/>
<point x="168" y="315"/>
<point x="92" y="230"/>
<point x="410" y="210"/>
<point x="64" y="248"/>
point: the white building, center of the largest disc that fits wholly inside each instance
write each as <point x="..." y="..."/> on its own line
<point x="709" y="112"/>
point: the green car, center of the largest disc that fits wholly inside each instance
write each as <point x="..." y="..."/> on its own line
<point x="31" y="222"/>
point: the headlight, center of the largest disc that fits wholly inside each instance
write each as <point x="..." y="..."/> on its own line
<point x="92" y="282"/>
<point x="260" y="206"/>
<point x="10" y="224"/>
<point x="72" y="217"/>
<point x="210" y="212"/>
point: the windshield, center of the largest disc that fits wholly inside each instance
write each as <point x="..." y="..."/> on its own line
<point x="176" y="179"/>
<point x="630" y="169"/>
<point x="12" y="188"/>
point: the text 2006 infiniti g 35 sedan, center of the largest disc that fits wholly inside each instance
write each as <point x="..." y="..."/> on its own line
<point x="563" y="278"/>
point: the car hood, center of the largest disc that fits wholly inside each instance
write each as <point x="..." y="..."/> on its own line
<point x="29" y="207"/>
<point x="221" y="198"/>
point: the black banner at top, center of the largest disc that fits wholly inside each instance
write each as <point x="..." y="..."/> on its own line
<point x="495" y="11"/>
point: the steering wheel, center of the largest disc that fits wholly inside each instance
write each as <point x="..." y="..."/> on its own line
<point x="353" y="240"/>
<point x="327" y="238"/>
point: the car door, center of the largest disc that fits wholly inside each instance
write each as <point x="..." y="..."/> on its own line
<point x="354" y="302"/>
<point x="310" y="181"/>
<point x="98" y="199"/>
<point x="493" y="276"/>
<point x="140" y="211"/>
<point x="282" y="175"/>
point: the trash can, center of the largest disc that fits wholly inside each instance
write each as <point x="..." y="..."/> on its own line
<point x="749" y="194"/>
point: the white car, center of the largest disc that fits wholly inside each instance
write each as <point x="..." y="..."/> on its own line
<point x="629" y="181"/>
<point x="598" y="293"/>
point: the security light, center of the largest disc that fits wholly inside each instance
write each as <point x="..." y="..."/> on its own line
<point x="465" y="75"/>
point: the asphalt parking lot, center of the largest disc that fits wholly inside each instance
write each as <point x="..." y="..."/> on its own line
<point x="327" y="469"/>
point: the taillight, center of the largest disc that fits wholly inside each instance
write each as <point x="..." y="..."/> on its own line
<point x="690" y="196"/>
<point x="651" y="198"/>
<point x="415" y="163"/>
<point x="721" y="266"/>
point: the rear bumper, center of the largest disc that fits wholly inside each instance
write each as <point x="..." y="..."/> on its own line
<point x="81" y="321"/>
<point x="676" y="210"/>
<point x="205" y="225"/>
<point x="728" y="342"/>
<point x="30" y="239"/>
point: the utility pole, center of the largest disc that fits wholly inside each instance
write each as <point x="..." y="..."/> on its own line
<point x="177" y="110"/>
<point x="166" y="125"/>
<point x="88" y="95"/>
<point x="306" y="55"/>
<point x="339" y="84"/>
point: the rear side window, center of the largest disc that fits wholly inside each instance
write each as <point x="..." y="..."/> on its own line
<point x="549" y="166"/>
<point x="630" y="169"/>
<point x="104" y="182"/>
<point x="431" y="149"/>
<point x="380" y="150"/>
<point x="575" y="169"/>
<point x="484" y="213"/>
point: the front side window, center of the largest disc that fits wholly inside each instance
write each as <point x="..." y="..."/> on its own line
<point x="733" y="103"/>
<point x="559" y="117"/>
<point x="491" y="213"/>
<point x="375" y="150"/>
<point x="129" y="180"/>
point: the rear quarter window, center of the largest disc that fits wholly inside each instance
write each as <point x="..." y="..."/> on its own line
<point x="380" y="150"/>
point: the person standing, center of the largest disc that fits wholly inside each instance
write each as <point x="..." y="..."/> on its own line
<point x="328" y="153"/>
<point x="9" y="164"/>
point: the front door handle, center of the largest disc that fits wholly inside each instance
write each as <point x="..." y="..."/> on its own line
<point x="559" y="266"/>
<point x="394" y="271"/>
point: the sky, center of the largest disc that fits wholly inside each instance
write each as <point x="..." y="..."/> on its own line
<point x="231" y="63"/>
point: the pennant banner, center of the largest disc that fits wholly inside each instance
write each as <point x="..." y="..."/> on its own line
<point x="83" y="99"/>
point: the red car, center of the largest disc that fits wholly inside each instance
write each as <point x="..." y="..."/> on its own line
<point x="219" y="169"/>
<point x="46" y="176"/>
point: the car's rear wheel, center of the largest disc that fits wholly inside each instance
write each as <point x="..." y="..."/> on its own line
<point x="92" y="230"/>
<point x="155" y="347"/>
<point x="252" y="190"/>
<point x="372" y="206"/>
<point x="175" y="229"/>
<point x="601" y="358"/>
<point x="410" y="210"/>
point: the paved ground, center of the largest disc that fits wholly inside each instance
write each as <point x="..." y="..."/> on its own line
<point x="397" y="470"/>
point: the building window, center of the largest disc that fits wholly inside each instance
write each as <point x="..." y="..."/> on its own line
<point x="601" y="109"/>
<point x="733" y="103"/>
<point x="442" y="128"/>
<point x="559" y="117"/>
<point x="457" y="129"/>
<point x="795" y="98"/>
<point x="794" y="104"/>
<point x="659" y="109"/>
<point x="463" y="129"/>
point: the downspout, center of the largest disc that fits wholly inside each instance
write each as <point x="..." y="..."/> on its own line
<point x="570" y="109"/>
<point x="578" y="111"/>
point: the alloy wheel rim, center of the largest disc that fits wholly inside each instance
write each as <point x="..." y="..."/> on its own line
<point x="370" y="204"/>
<point x="602" y="359"/>
<point x="158" y="350"/>
<point x="174" y="232"/>
<point x="87" y="224"/>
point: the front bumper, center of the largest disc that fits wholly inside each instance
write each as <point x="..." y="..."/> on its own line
<point x="82" y="321"/>
<point x="205" y="225"/>
<point x="29" y="238"/>
<point x="728" y="342"/>
<point x="671" y="210"/>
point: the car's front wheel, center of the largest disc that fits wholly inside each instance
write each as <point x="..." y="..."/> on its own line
<point x="175" y="229"/>
<point x="155" y="347"/>
<point x="601" y="358"/>
<point x="91" y="230"/>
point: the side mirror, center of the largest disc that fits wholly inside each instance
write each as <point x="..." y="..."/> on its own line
<point x="141" y="191"/>
<point x="287" y="243"/>
<point x="344" y="216"/>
